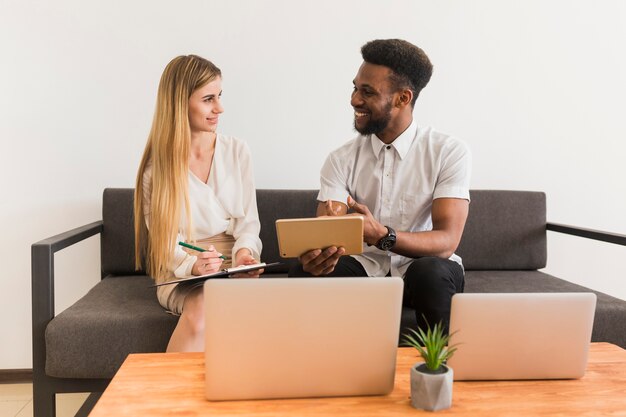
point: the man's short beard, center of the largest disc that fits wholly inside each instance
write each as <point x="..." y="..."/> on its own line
<point x="375" y="126"/>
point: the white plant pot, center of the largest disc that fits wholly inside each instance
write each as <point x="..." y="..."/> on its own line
<point x="431" y="392"/>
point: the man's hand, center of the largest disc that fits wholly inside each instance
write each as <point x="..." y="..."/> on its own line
<point x="321" y="262"/>
<point x="335" y="208"/>
<point x="373" y="230"/>
<point x="331" y="208"/>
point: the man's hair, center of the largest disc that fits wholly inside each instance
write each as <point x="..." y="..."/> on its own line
<point x="410" y="66"/>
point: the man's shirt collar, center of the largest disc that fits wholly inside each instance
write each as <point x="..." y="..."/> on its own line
<point x="402" y="143"/>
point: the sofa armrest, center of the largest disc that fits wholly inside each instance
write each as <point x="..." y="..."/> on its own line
<point x="42" y="283"/>
<point x="588" y="233"/>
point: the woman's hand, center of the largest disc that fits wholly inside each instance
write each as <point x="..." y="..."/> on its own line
<point x="244" y="257"/>
<point x="208" y="262"/>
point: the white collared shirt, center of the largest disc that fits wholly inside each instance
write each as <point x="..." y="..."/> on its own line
<point x="225" y="203"/>
<point x="398" y="183"/>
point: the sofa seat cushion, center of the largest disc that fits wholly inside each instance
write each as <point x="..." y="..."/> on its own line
<point x="609" y="325"/>
<point x="118" y="316"/>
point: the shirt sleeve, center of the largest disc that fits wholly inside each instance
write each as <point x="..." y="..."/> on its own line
<point x="246" y="228"/>
<point x="333" y="180"/>
<point x="181" y="263"/>
<point x="454" y="177"/>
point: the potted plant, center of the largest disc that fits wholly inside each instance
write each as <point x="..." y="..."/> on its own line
<point x="431" y="380"/>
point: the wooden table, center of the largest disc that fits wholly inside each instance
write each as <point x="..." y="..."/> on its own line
<point x="172" y="384"/>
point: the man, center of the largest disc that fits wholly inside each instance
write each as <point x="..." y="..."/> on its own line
<point x="410" y="183"/>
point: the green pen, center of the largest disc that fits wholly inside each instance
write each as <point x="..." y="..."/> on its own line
<point x="187" y="245"/>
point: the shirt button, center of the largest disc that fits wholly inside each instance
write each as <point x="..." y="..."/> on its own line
<point x="388" y="146"/>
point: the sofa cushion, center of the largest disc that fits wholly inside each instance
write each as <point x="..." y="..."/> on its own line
<point x="118" y="316"/>
<point x="609" y="324"/>
<point x="505" y="230"/>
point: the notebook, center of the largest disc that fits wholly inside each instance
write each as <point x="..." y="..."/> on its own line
<point x="521" y="336"/>
<point x="301" y="337"/>
<point x="222" y="273"/>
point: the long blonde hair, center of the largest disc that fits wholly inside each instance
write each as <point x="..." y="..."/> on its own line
<point x="167" y="151"/>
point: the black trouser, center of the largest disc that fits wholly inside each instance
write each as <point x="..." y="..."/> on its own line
<point x="429" y="284"/>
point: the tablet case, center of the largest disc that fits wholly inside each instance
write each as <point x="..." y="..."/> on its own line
<point x="297" y="236"/>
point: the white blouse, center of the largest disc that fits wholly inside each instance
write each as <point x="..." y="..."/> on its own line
<point x="225" y="203"/>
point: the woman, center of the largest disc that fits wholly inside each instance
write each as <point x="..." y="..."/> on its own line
<point x="193" y="185"/>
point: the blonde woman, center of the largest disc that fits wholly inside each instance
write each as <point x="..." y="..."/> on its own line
<point x="193" y="185"/>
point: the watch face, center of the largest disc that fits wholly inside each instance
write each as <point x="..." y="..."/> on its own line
<point x="387" y="244"/>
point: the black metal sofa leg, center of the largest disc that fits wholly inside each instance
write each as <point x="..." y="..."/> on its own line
<point x="44" y="400"/>
<point x="89" y="404"/>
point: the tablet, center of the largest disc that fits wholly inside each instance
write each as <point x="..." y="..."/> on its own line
<point x="297" y="236"/>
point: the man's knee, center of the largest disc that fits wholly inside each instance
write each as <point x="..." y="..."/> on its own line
<point x="296" y="271"/>
<point x="430" y="284"/>
<point x="428" y="273"/>
<point x="346" y="267"/>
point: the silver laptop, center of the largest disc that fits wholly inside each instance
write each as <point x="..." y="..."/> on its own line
<point x="301" y="337"/>
<point x="521" y="336"/>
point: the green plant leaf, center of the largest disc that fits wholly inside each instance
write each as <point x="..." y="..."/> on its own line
<point x="431" y="344"/>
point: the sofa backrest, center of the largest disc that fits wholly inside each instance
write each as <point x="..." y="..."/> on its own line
<point x="117" y="242"/>
<point x="504" y="230"/>
<point x="281" y="204"/>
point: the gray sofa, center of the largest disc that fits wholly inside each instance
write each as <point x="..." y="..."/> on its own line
<point x="81" y="348"/>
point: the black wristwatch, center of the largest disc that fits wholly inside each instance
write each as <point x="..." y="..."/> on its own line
<point x="388" y="241"/>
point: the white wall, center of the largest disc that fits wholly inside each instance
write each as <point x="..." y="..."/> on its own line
<point x="536" y="88"/>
